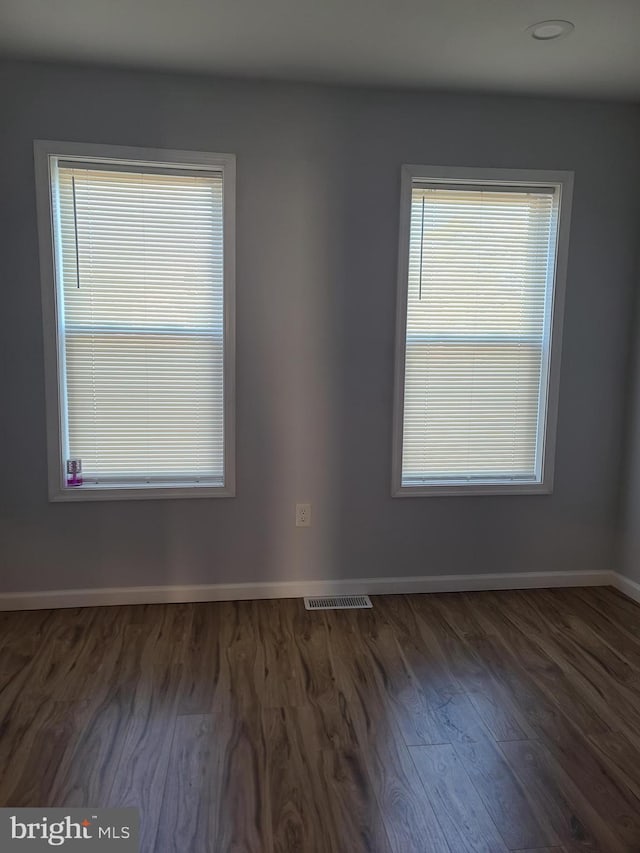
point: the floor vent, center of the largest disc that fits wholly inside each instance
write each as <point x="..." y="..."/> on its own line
<point x="338" y="602"/>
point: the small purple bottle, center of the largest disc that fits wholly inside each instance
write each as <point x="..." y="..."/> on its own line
<point x="74" y="472"/>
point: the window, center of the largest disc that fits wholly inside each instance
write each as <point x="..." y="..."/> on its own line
<point x="137" y="255"/>
<point x="480" y="297"/>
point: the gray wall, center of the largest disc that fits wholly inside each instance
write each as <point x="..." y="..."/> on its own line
<point x="628" y="556"/>
<point x="318" y="188"/>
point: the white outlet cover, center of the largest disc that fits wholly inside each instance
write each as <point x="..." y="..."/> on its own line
<point x="303" y="515"/>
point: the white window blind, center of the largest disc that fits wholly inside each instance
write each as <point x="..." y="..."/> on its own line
<point x="479" y="294"/>
<point x="140" y="269"/>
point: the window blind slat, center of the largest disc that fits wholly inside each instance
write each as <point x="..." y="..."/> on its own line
<point x="141" y="269"/>
<point x="480" y="276"/>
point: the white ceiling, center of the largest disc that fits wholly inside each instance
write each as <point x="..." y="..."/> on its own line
<point x="443" y="44"/>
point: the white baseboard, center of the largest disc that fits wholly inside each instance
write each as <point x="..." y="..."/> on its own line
<point x="297" y="589"/>
<point x="627" y="587"/>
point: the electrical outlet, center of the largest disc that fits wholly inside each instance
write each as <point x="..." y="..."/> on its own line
<point x="303" y="515"/>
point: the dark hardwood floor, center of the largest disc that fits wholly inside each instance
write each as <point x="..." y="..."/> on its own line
<point x="498" y="721"/>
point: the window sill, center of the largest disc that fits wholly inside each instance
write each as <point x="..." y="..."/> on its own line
<point x="471" y="490"/>
<point x="78" y="494"/>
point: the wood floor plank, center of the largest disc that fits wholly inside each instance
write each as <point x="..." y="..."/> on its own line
<point x="424" y="649"/>
<point x="87" y="773"/>
<point x="407" y="814"/>
<point x="26" y="659"/>
<point x="55" y="672"/>
<point x="462" y="669"/>
<point x="90" y="652"/>
<point x="333" y="725"/>
<point x="621" y="757"/>
<point x="309" y="631"/>
<point x="498" y="788"/>
<point x="243" y="803"/>
<point x="458" y="721"/>
<point x="260" y="726"/>
<point x="604" y="785"/>
<point x="412" y="707"/>
<point x="216" y="797"/>
<point x="460" y="610"/>
<point x="466" y="823"/>
<point x="329" y="733"/>
<point x="500" y="713"/>
<point x="565" y="807"/>
<point x="283" y="673"/>
<point x="613" y="608"/>
<point x="532" y="702"/>
<point x="202" y="659"/>
<point x="609" y="793"/>
<point x="301" y="818"/>
<point x="555" y="678"/>
<point x="491" y="702"/>
<point x="241" y="686"/>
<point x="86" y="776"/>
<point x="501" y="691"/>
<point x="561" y="624"/>
<point x="188" y="814"/>
<point x="503" y="796"/>
<point x="607" y="631"/>
<point x="353" y="808"/>
<point x="543" y="850"/>
<point x="596" y="687"/>
<point x="141" y="772"/>
<point x="50" y="741"/>
<point x="617" y="606"/>
<point x="190" y="819"/>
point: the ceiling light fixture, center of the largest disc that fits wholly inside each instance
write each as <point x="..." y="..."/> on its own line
<point x="547" y="30"/>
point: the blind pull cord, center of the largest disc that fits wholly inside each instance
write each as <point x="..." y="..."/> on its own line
<point x="75" y="231"/>
<point x="421" y="251"/>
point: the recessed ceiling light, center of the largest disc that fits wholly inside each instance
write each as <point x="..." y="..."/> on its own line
<point x="547" y="30"/>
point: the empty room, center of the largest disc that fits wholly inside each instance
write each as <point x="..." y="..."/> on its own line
<point x="320" y="368"/>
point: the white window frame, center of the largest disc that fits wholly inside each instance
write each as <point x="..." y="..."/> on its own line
<point x="547" y="426"/>
<point x="47" y="152"/>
